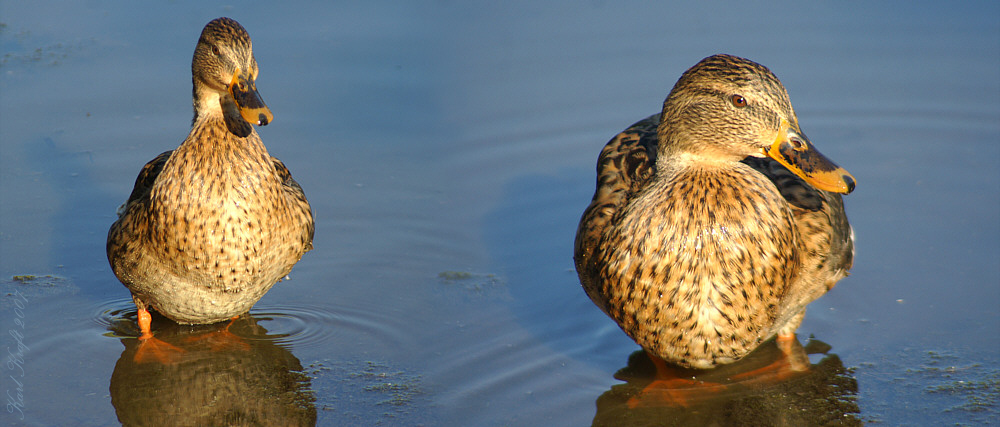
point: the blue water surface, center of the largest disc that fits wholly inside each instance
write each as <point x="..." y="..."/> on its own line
<point x="448" y="150"/>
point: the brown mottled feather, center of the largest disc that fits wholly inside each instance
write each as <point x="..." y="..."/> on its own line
<point x="147" y="176"/>
<point x="700" y="265"/>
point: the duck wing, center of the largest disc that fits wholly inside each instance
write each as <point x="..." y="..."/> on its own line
<point x="826" y="238"/>
<point x="624" y="167"/>
<point x="144" y="182"/>
<point x="295" y="194"/>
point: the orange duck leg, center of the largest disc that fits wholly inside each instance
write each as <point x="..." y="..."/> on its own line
<point x="152" y="349"/>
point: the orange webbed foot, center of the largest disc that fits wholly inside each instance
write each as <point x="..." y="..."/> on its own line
<point x="671" y="387"/>
<point x="679" y="387"/>
<point x="153" y="349"/>
<point x="793" y="362"/>
<point x="156" y="350"/>
<point x="222" y="339"/>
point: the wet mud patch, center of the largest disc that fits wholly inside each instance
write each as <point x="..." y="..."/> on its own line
<point x="367" y="393"/>
<point x="474" y="284"/>
<point x="24" y="47"/>
<point x="966" y="387"/>
<point x="25" y="287"/>
<point x="946" y="386"/>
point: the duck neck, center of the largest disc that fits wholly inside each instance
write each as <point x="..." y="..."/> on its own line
<point x="217" y="127"/>
<point x="207" y="102"/>
<point x="212" y="105"/>
<point x="672" y="160"/>
<point x="677" y="150"/>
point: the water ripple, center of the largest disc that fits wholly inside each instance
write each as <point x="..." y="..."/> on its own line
<point x="299" y="325"/>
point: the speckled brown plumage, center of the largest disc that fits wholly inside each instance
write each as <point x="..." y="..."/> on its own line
<point x="212" y="225"/>
<point x="697" y="245"/>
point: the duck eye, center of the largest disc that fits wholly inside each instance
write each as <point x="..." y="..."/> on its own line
<point x="738" y="100"/>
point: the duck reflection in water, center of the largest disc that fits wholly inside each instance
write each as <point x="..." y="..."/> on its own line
<point x="227" y="374"/>
<point x="772" y="386"/>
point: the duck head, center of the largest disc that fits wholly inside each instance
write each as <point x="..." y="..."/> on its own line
<point x="223" y="73"/>
<point x="727" y="108"/>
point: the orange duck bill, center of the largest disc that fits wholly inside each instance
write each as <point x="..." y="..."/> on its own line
<point x="793" y="150"/>
<point x="248" y="100"/>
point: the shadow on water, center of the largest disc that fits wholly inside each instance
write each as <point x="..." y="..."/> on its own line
<point x="228" y="374"/>
<point x="758" y="390"/>
<point x="530" y="234"/>
<point x="81" y="216"/>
